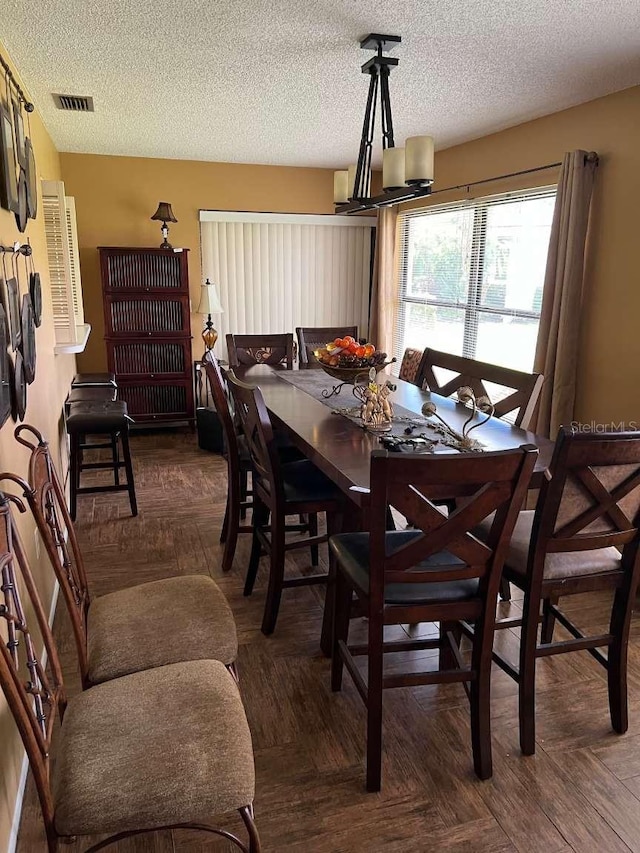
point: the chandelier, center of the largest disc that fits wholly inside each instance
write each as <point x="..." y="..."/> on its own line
<point x="407" y="173"/>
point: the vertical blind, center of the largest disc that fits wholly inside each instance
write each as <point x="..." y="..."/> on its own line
<point x="275" y="272"/>
<point x="471" y="277"/>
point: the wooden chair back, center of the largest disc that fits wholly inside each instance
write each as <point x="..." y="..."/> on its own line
<point x="592" y="498"/>
<point x="35" y="695"/>
<point x="47" y="501"/>
<point x="311" y="338"/>
<point x="260" y="349"/>
<point x="525" y="388"/>
<point x="258" y="431"/>
<point x="492" y="482"/>
<point x="220" y="394"/>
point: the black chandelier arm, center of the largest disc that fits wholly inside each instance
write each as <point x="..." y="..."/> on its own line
<point x="363" y="168"/>
<point x="385" y="106"/>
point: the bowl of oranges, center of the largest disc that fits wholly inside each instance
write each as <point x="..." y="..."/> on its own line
<point x="345" y="358"/>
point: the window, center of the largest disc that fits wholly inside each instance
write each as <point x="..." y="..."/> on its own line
<point x="471" y="277"/>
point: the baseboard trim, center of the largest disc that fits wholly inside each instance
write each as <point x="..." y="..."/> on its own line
<point x="17" y="809"/>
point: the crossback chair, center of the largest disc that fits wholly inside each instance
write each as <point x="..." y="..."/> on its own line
<point x="245" y="350"/>
<point x="278" y="491"/>
<point x="583" y="536"/>
<point x="124" y="631"/>
<point x="239" y="496"/>
<point x="120" y="785"/>
<point x="525" y="387"/>
<point x="438" y="572"/>
<point x="311" y="338"/>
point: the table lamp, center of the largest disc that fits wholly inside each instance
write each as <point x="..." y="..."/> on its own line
<point x="164" y="214"/>
<point x="209" y="304"/>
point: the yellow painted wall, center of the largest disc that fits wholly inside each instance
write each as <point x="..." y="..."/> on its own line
<point x="115" y="196"/>
<point x="609" y="359"/>
<point x="44" y="410"/>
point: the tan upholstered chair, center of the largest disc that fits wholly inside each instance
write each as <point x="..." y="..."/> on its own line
<point x="153" y="624"/>
<point x="165" y="748"/>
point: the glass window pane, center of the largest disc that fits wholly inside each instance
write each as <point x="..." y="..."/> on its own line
<point x="433" y="326"/>
<point x="515" y="255"/>
<point x="438" y="256"/>
<point x="508" y="341"/>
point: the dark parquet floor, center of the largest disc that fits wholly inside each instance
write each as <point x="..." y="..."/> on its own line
<point x="580" y="792"/>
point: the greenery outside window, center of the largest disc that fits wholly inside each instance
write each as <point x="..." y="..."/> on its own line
<point x="471" y="277"/>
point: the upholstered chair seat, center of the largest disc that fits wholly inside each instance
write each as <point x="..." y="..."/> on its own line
<point x="167" y="746"/>
<point x="153" y="624"/>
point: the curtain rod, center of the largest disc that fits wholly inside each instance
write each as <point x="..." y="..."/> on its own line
<point x="12" y="80"/>
<point x="589" y="158"/>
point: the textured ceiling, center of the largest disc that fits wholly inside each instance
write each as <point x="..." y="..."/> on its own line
<point x="278" y="81"/>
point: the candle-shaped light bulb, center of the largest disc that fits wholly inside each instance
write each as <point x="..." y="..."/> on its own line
<point x="340" y="187"/>
<point x="419" y="160"/>
<point x="392" y="168"/>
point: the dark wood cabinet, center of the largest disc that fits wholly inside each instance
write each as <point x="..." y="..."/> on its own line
<point x="148" y="331"/>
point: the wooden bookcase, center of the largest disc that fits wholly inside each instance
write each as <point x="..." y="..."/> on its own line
<point x="148" y="331"/>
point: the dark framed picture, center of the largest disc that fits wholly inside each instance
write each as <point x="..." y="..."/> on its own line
<point x="8" y="173"/>
<point x="13" y="304"/>
<point x="28" y="342"/>
<point x="5" y="372"/>
<point x="18" y="124"/>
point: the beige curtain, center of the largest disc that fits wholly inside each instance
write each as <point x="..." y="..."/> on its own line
<point x="558" y="338"/>
<point x="383" y="291"/>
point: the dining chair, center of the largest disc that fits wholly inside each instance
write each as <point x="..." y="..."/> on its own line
<point x="583" y="536"/>
<point x="311" y="338"/>
<point x="168" y="748"/>
<point x="524" y="388"/>
<point x="410" y="366"/>
<point x="162" y="622"/>
<point x="438" y="572"/>
<point x="245" y="350"/>
<point x="279" y="491"/>
<point x="239" y="496"/>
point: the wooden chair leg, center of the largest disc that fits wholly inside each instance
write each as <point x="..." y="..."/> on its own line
<point x="231" y="524"/>
<point x="505" y="589"/>
<point x="527" y="677"/>
<point x="74" y="474"/>
<point x="126" y="452"/>
<point x="276" y="575"/>
<point x="313" y="531"/>
<point x="548" y="619"/>
<point x="341" y="607"/>
<point x="224" y="532"/>
<point x="335" y="524"/>
<point x="446" y="658"/>
<point x="617" y="669"/>
<point x="374" y="703"/>
<point x="260" y="519"/>
<point x="480" y="701"/>
<point x="115" y="456"/>
<point x="244" y="478"/>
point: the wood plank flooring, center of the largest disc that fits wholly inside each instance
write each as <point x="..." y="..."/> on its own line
<point x="580" y="792"/>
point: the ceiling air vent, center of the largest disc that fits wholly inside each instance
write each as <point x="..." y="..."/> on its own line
<point x="74" y="103"/>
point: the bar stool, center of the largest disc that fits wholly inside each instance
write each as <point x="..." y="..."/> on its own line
<point x="101" y="418"/>
<point x="93" y="380"/>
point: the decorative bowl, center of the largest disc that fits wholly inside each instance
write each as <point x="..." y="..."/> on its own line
<point x="349" y="374"/>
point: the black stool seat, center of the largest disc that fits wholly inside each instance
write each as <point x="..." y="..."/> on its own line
<point x="90" y="393"/>
<point x="107" y="418"/>
<point x="84" y="380"/>
<point x="95" y="416"/>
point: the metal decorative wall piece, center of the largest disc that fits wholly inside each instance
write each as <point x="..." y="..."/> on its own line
<point x="32" y="188"/>
<point x="18" y="124"/>
<point x="28" y="342"/>
<point x="5" y="372"/>
<point x="22" y="210"/>
<point x="8" y="174"/>
<point x="13" y="305"/>
<point x="35" y="291"/>
<point x="19" y="402"/>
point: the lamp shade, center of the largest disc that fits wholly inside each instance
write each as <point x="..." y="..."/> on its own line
<point x="164" y="213"/>
<point x="209" y="300"/>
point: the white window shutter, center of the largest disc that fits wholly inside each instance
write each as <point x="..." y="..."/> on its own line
<point x="64" y="264"/>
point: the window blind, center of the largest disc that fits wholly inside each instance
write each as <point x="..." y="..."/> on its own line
<point x="276" y="272"/>
<point x="471" y="276"/>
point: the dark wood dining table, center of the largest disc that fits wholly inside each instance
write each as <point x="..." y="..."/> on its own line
<point x="342" y="449"/>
